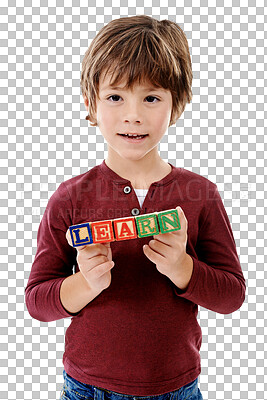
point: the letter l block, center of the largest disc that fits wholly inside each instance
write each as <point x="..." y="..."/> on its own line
<point x="80" y="234"/>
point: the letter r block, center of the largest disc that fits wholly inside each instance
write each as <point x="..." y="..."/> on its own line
<point x="80" y="234"/>
<point x="147" y="225"/>
<point x="169" y="221"/>
<point x="102" y="231"/>
<point x="124" y="228"/>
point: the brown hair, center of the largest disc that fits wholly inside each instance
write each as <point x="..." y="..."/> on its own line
<point x="139" y="48"/>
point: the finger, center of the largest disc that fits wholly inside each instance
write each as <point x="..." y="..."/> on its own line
<point x="98" y="270"/>
<point x="102" y="269"/>
<point x="93" y="248"/>
<point x="96" y="249"/>
<point x="182" y="219"/>
<point x="159" y="247"/>
<point x="109" y="251"/>
<point x="154" y="257"/>
<point x="69" y="240"/>
<point x="170" y="238"/>
<point x="68" y="237"/>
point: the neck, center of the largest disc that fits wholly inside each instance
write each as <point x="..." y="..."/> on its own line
<point x="141" y="173"/>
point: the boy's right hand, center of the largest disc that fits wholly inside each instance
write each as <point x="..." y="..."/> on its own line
<point x="95" y="263"/>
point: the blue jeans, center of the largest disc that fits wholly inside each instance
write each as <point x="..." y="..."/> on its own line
<point x="75" y="390"/>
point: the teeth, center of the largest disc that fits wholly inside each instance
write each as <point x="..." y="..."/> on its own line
<point x="129" y="135"/>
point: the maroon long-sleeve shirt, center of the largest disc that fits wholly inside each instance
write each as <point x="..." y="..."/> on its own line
<point x="140" y="336"/>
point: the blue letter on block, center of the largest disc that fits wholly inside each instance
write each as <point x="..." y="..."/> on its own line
<point x="81" y="234"/>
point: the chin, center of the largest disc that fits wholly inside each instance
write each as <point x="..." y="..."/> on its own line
<point x="131" y="157"/>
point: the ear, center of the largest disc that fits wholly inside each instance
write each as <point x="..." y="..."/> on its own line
<point x="86" y="102"/>
<point x="93" y="121"/>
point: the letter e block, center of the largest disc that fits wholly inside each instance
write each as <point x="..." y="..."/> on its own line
<point x="102" y="231"/>
<point x="80" y="234"/>
<point x="147" y="225"/>
<point x="124" y="228"/>
<point x="169" y="221"/>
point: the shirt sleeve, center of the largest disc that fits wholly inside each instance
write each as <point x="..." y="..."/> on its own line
<point x="53" y="261"/>
<point x="217" y="282"/>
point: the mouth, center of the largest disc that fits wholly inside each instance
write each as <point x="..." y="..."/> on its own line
<point x="133" y="136"/>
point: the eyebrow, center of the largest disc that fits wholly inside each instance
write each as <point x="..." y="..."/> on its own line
<point x="120" y="88"/>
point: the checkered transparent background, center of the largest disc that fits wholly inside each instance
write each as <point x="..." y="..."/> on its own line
<point x="46" y="140"/>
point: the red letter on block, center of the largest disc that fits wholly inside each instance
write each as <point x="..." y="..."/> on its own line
<point x="125" y="228"/>
<point x="102" y="231"/>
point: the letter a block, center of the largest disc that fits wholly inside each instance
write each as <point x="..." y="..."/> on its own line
<point x="169" y="221"/>
<point x="124" y="228"/>
<point x="102" y="231"/>
<point x="147" y="225"/>
<point x="81" y="234"/>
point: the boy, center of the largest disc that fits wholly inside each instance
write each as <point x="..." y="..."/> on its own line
<point x="134" y="303"/>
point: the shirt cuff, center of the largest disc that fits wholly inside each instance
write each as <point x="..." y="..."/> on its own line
<point x="186" y="293"/>
<point x="60" y="306"/>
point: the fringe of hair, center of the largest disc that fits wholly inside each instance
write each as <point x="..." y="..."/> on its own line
<point x="139" y="48"/>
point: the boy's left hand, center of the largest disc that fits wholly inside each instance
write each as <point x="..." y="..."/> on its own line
<point x="168" y="252"/>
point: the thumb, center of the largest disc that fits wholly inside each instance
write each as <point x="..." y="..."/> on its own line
<point x="69" y="240"/>
<point x="182" y="217"/>
<point x="68" y="237"/>
<point x="180" y="210"/>
<point x="107" y="245"/>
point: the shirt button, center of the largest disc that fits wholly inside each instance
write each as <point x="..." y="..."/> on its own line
<point x="135" y="211"/>
<point x="127" y="189"/>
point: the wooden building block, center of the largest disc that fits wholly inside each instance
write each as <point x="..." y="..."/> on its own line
<point x="124" y="228"/>
<point x="168" y="221"/>
<point x="81" y="234"/>
<point x="147" y="225"/>
<point x="102" y="231"/>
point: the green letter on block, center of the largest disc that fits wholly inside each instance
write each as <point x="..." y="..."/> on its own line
<point x="169" y="221"/>
<point x="147" y="225"/>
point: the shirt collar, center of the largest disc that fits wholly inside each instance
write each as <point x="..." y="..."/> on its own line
<point x="111" y="175"/>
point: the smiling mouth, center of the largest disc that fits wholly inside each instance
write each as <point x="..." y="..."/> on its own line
<point x="132" y="135"/>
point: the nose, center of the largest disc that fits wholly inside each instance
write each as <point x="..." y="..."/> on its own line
<point x="132" y="112"/>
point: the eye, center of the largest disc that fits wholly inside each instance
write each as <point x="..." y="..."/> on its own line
<point x="114" y="98"/>
<point x="113" y="95"/>
<point x="152" y="97"/>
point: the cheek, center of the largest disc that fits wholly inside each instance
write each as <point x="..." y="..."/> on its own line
<point x="107" y="115"/>
<point x="162" y="118"/>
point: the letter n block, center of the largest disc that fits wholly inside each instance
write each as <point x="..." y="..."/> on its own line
<point x="124" y="228"/>
<point x="102" y="231"/>
<point x="169" y="221"/>
<point x="81" y="234"/>
<point x="147" y="225"/>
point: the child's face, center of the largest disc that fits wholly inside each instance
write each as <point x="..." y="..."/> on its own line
<point x="144" y="110"/>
